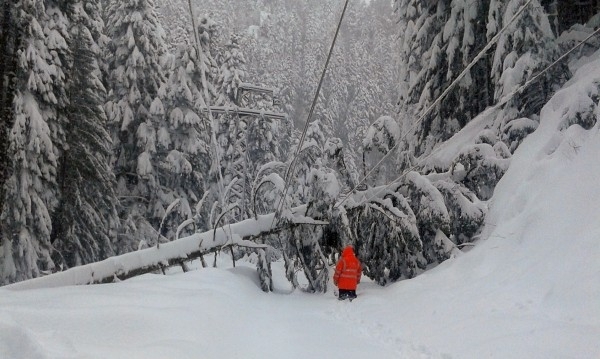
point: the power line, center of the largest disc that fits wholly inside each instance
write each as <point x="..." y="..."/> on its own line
<point x="290" y="170"/>
<point x="439" y="99"/>
<point x="501" y="103"/>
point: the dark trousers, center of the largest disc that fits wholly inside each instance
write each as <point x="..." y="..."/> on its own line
<point x="346" y="294"/>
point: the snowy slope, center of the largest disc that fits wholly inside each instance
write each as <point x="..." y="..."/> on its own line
<point x="529" y="289"/>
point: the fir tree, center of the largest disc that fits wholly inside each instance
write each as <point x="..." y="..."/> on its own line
<point x="523" y="51"/>
<point x="209" y="69"/>
<point x="232" y="72"/>
<point x="31" y="189"/>
<point x="184" y="138"/>
<point x="87" y="209"/>
<point x="432" y="216"/>
<point x="421" y="51"/>
<point x="309" y="158"/>
<point x="134" y="77"/>
<point x="438" y="41"/>
<point x="385" y="235"/>
<point x="10" y="39"/>
<point x="175" y="17"/>
<point x="231" y="135"/>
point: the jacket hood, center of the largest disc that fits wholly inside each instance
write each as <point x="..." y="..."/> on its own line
<point x="348" y="251"/>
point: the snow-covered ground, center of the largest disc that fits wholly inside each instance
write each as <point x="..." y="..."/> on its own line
<point x="529" y="289"/>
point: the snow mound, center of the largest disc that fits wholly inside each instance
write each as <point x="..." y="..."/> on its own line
<point x="530" y="288"/>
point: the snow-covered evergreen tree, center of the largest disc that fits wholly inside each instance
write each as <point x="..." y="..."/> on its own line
<point x="524" y="50"/>
<point x="10" y="39"/>
<point x="184" y="138"/>
<point x="232" y="140"/>
<point x="134" y="76"/>
<point x="383" y="136"/>
<point x="465" y="210"/>
<point x="206" y="34"/>
<point x="309" y="157"/>
<point x="385" y="235"/>
<point x="285" y="45"/>
<point x="31" y="188"/>
<point x="263" y="144"/>
<point x="437" y="42"/>
<point x="231" y="133"/>
<point x="232" y="72"/>
<point x="421" y="48"/>
<point x="86" y="214"/>
<point x="336" y="158"/>
<point x="360" y="82"/>
<point x="432" y="217"/>
<point x="209" y="68"/>
<point x="175" y="17"/>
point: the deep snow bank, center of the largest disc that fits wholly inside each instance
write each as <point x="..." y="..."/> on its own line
<point x="531" y="287"/>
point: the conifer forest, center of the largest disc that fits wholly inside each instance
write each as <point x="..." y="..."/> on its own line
<point x="133" y="124"/>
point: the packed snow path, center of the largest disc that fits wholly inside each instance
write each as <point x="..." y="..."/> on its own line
<point x="465" y="308"/>
<point x="210" y="313"/>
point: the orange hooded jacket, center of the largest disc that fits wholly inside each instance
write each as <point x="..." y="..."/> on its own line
<point x="347" y="271"/>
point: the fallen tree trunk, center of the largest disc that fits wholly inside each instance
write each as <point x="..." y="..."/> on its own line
<point x="175" y="253"/>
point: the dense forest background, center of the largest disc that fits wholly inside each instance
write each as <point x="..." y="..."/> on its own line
<point x="125" y="124"/>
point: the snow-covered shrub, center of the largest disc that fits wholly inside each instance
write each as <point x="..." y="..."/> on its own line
<point x="515" y="131"/>
<point x="337" y="159"/>
<point x="324" y="188"/>
<point x="584" y="111"/>
<point x="303" y="252"/>
<point x="386" y="238"/>
<point x="467" y="213"/>
<point x="482" y="169"/>
<point x="267" y="188"/>
<point x="431" y="213"/>
<point x="383" y="135"/>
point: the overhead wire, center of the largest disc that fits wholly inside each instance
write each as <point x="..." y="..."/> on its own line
<point x="290" y="170"/>
<point x="504" y="100"/>
<point x="439" y="99"/>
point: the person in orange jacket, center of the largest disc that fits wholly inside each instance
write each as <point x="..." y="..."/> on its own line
<point x="348" y="271"/>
